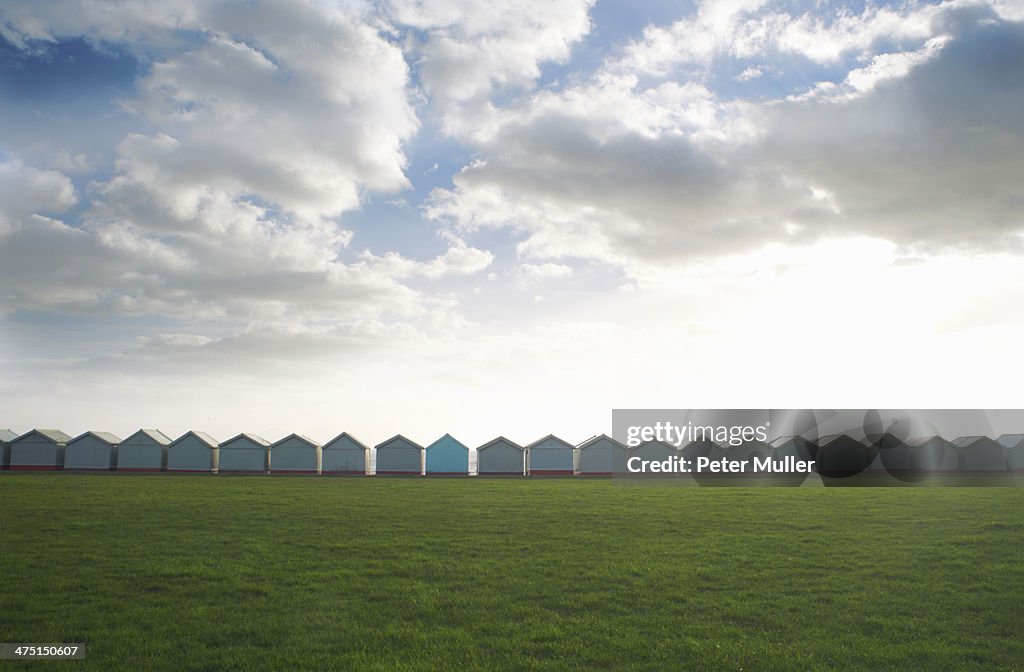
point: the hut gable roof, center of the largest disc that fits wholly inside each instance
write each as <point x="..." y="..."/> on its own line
<point x="1011" y="440"/>
<point x="450" y="438"/>
<point x="251" y="438"/>
<point x="155" y="434"/>
<point x="6" y="436"/>
<point x="304" y="439"/>
<point x="202" y="436"/>
<point x="964" y="441"/>
<point x="655" y="442"/>
<point x="786" y="440"/>
<point x="396" y="438"/>
<point x="596" y="439"/>
<point x="551" y="437"/>
<point x="498" y="441"/>
<point x="54" y="435"/>
<point x="105" y="437"/>
<point x="343" y="437"/>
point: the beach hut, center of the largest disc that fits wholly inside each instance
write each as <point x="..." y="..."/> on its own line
<point x="1013" y="444"/>
<point x="935" y="453"/>
<point x="550" y="456"/>
<point x="245" y="454"/>
<point x="92" y="450"/>
<point x="979" y="453"/>
<point x="704" y="473"/>
<point x="893" y="456"/>
<point x="344" y="455"/>
<point x="193" y="451"/>
<point x="6" y="436"/>
<point x="398" y="456"/>
<point x="447" y="457"/>
<point x="602" y="456"/>
<point x="39" y="450"/>
<point x="793" y="446"/>
<point x="145" y="450"/>
<point x="748" y="450"/>
<point x="653" y="450"/>
<point x="840" y="455"/>
<point x="799" y="449"/>
<point x="295" y="454"/>
<point x="703" y="448"/>
<point x="501" y="457"/>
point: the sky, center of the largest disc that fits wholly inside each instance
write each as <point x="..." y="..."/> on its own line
<point x="485" y="217"/>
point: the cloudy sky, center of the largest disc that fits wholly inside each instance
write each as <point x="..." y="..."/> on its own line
<point x="489" y="217"/>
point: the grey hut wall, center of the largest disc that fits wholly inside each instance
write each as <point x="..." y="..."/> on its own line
<point x="748" y="450"/>
<point x="892" y="455"/>
<point x="551" y="456"/>
<point x="937" y="454"/>
<point x="983" y="454"/>
<point x="191" y="453"/>
<point x="294" y="455"/>
<point x="141" y="452"/>
<point x="35" y="451"/>
<point x="708" y="449"/>
<point x="243" y="455"/>
<point x="602" y="457"/>
<point x="343" y="455"/>
<point x="501" y="459"/>
<point x="842" y="456"/>
<point x="399" y="456"/>
<point x="1013" y="446"/>
<point x="653" y="450"/>
<point x="6" y="436"/>
<point x="796" y="447"/>
<point x="90" y="452"/>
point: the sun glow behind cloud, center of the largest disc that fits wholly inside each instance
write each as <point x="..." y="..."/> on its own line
<point x="795" y="209"/>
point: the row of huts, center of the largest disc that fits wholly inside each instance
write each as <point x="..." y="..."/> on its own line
<point x="151" y="450"/>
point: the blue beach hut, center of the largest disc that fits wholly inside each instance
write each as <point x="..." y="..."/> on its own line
<point x="447" y="457"/>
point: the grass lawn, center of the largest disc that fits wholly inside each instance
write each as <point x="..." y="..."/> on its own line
<point x="263" y="573"/>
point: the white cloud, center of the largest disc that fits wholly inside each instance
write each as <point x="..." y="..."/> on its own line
<point x="269" y="121"/>
<point x="26" y="191"/>
<point x="458" y="259"/>
<point x="639" y="176"/>
<point x="545" y="271"/>
<point x="72" y="163"/>
<point x="753" y="72"/>
<point x="474" y="48"/>
<point x="753" y="28"/>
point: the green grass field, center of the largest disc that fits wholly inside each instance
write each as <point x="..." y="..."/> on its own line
<point x="262" y="573"/>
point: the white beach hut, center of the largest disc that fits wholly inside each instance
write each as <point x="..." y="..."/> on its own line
<point x="245" y="454"/>
<point x="601" y="456"/>
<point x="92" y="451"/>
<point x="145" y="450"/>
<point x="550" y="456"/>
<point x="193" y="451"/>
<point x="935" y="454"/>
<point x="39" y="450"/>
<point x="1013" y="445"/>
<point x="501" y="457"/>
<point x="980" y="453"/>
<point x="6" y="436"/>
<point x="399" y="456"/>
<point x="344" y="455"/>
<point x="295" y="454"/>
